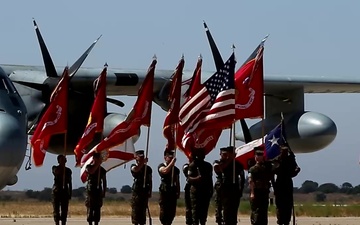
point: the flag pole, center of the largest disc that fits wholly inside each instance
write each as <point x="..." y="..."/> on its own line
<point x="233" y="144"/>
<point x="64" y="170"/>
<point x="232" y="134"/>
<point x="146" y="154"/>
<point x="172" y="169"/>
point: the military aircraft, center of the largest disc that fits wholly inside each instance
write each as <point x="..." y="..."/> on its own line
<point x="25" y="93"/>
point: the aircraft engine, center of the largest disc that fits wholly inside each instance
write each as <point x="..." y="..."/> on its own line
<point x="305" y="131"/>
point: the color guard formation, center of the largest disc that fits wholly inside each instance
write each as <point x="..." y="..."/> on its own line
<point x="199" y="188"/>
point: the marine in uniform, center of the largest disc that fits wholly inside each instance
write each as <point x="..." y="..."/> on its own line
<point x="201" y="189"/>
<point x="141" y="189"/>
<point x="260" y="176"/>
<point x="61" y="190"/>
<point x="95" y="189"/>
<point x="188" y="214"/>
<point x="217" y="187"/>
<point x="232" y="184"/>
<point x="169" y="188"/>
<point x="285" y="170"/>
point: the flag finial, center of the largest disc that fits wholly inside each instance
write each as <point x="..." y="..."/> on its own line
<point x="233" y="47"/>
<point x="200" y="57"/>
<point x="182" y="56"/>
<point x="154" y="57"/>
<point x="106" y="65"/>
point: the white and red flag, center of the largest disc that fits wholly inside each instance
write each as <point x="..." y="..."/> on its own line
<point x="115" y="157"/>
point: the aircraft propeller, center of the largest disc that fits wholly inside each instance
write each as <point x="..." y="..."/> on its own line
<point x="48" y="63"/>
<point x="115" y="102"/>
<point x="51" y="71"/>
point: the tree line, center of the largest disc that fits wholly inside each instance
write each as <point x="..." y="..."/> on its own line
<point x="307" y="187"/>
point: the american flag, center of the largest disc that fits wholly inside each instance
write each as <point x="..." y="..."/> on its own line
<point x="214" y="105"/>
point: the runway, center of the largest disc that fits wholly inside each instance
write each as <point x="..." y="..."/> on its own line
<point x="180" y="221"/>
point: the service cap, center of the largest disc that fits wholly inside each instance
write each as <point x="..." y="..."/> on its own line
<point x="259" y="150"/>
<point x="227" y="149"/>
<point x="139" y="152"/>
<point x="169" y="153"/>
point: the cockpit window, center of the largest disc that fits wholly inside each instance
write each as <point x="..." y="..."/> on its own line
<point x="2" y="85"/>
<point x="7" y="85"/>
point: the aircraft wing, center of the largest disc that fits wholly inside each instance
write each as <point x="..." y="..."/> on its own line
<point x="311" y="84"/>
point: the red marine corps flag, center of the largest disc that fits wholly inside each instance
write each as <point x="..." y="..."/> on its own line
<point x="172" y="117"/>
<point x="249" y="85"/>
<point x="195" y="86"/>
<point x="54" y="120"/>
<point x="96" y="118"/>
<point x="139" y="115"/>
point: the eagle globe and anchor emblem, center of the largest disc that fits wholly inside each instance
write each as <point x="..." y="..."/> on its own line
<point x="252" y="93"/>
<point x="104" y="154"/>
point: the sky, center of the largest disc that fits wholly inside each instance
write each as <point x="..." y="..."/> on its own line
<point x="310" y="38"/>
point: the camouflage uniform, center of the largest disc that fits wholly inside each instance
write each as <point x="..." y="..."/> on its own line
<point x="61" y="193"/>
<point x="261" y="175"/>
<point x="217" y="187"/>
<point x="169" y="192"/>
<point x="188" y="214"/>
<point x="94" y="196"/>
<point x="140" y="194"/>
<point x="200" y="192"/>
<point x="231" y="191"/>
<point x="287" y="168"/>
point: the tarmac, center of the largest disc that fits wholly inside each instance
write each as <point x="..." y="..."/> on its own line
<point x="180" y="221"/>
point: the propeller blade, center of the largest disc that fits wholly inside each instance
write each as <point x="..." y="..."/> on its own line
<point x="115" y="102"/>
<point x="75" y="67"/>
<point x="219" y="62"/>
<point x="246" y="131"/>
<point x="48" y="63"/>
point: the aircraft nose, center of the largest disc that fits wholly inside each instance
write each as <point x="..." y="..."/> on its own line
<point x="13" y="142"/>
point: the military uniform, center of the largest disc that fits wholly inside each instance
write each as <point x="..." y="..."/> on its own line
<point x="188" y="214"/>
<point x="169" y="191"/>
<point x="94" y="193"/>
<point x="231" y="191"/>
<point x="200" y="191"/>
<point x="61" y="193"/>
<point x="260" y="174"/>
<point x="140" y="194"/>
<point x="286" y="169"/>
<point x="217" y="187"/>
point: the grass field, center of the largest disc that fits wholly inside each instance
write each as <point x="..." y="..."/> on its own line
<point x="122" y="208"/>
<point x="16" y="204"/>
